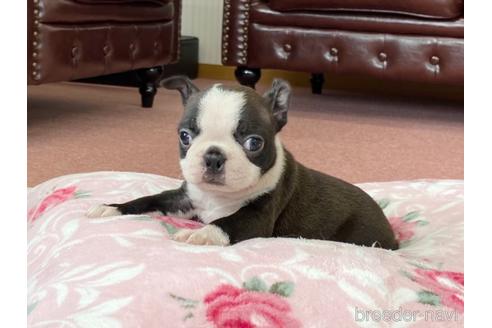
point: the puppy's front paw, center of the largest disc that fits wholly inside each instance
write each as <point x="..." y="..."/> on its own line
<point x="101" y="211"/>
<point x="207" y="235"/>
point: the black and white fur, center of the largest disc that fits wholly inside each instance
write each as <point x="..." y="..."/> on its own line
<point x="243" y="184"/>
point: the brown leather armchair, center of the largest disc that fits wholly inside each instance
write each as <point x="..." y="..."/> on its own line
<point x="418" y="40"/>
<point x="73" y="39"/>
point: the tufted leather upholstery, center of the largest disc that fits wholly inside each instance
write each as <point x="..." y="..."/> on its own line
<point x="398" y="47"/>
<point x="72" y="39"/>
<point x="122" y="1"/>
<point x="418" y="8"/>
<point x="74" y="11"/>
<point x="262" y="14"/>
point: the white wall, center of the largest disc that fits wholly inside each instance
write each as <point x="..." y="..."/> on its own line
<point x="203" y="19"/>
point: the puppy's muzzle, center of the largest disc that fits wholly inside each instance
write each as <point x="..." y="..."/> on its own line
<point x="214" y="163"/>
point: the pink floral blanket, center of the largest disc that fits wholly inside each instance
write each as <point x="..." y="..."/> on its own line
<point x="126" y="272"/>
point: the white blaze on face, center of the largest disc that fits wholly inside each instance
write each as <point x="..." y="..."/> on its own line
<point x="218" y="116"/>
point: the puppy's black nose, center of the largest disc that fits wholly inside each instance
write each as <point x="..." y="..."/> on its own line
<point x="214" y="160"/>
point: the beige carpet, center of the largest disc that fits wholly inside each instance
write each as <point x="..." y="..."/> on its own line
<point x="80" y="128"/>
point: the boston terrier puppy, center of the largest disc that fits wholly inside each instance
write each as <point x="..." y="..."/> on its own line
<point x="242" y="183"/>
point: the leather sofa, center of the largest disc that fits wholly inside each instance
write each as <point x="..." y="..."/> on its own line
<point x="74" y="39"/>
<point x="401" y="40"/>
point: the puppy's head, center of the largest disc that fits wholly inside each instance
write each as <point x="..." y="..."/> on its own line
<point x="227" y="135"/>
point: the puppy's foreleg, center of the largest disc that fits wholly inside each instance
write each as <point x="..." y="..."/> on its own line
<point x="168" y="202"/>
<point x="250" y="221"/>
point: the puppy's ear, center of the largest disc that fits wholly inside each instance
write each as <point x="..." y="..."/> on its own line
<point x="278" y="98"/>
<point x="181" y="83"/>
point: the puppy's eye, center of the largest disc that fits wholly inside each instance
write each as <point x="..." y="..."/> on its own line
<point x="185" y="138"/>
<point x="253" y="144"/>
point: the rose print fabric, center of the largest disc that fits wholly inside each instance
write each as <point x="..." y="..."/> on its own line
<point x="126" y="272"/>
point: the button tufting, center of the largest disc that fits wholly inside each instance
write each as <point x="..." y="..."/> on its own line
<point x="75" y="51"/>
<point x="157" y="47"/>
<point x="334" y="51"/>
<point x="434" y="60"/>
<point x="287" y="47"/>
<point x="106" y="49"/>
<point x="383" y="56"/>
<point x="76" y="56"/>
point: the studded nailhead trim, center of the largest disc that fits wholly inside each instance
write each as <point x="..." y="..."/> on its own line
<point x="178" y="26"/>
<point x="242" y="31"/>
<point x="36" y="67"/>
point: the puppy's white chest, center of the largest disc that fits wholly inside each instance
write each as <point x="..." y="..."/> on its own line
<point x="211" y="207"/>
